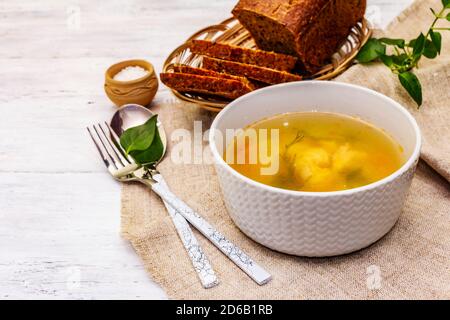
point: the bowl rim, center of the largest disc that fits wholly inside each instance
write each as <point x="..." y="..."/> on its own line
<point x="127" y="63"/>
<point x="405" y="167"/>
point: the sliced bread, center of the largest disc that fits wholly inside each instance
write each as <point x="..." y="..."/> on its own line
<point x="260" y="58"/>
<point x="210" y="73"/>
<point x="262" y="74"/>
<point x="217" y="86"/>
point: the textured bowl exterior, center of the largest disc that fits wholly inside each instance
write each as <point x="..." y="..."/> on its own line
<point x="314" y="226"/>
<point x="139" y="91"/>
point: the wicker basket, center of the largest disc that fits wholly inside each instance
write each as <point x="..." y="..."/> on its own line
<point x="232" y="32"/>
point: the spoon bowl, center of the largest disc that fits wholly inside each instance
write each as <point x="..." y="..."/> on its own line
<point x="132" y="115"/>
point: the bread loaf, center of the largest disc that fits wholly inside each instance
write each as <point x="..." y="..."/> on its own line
<point x="309" y="29"/>
<point x="265" y="75"/>
<point x="261" y="58"/>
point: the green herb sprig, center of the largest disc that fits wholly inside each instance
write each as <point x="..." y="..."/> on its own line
<point x="407" y="54"/>
<point x="298" y="137"/>
<point x="143" y="142"/>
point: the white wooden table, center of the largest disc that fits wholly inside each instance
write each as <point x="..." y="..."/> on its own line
<point x="59" y="209"/>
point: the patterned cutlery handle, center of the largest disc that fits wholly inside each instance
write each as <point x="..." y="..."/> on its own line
<point x="242" y="260"/>
<point x="198" y="258"/>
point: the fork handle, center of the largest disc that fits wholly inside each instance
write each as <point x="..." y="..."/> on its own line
<point x="241" y="259"/>
<point x="198" y="258"/>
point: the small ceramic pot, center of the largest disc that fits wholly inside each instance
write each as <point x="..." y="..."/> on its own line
<point x="316" y="224"/>
<point x="139" y="91"/>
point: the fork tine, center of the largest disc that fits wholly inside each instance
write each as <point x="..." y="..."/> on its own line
<point x="116" y="163"/>
<point x="114" y="148"/>
<point x="116" y="140"/>
<point x="99" y="149"/>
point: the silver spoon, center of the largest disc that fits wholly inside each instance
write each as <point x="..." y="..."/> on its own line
<point x="132" y="115"/>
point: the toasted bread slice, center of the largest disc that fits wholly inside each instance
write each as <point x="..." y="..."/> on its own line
<point x="262" y="74"/>
<point x="186" y="82"/>
<point x="257" y="57"/>
<point x="210" y="73"/>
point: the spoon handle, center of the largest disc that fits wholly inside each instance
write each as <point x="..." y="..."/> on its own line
<point x="198" y="258"/>
<point x="241" y="259"/>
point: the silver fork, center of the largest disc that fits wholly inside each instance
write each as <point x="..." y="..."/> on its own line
<point x="127" y="170"/>
<point x="122" y="168"/>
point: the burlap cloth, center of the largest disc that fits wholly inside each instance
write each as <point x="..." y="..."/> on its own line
<point x="412" y="261"/>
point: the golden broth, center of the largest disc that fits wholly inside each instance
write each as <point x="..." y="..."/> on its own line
<point x="317" y="152"/>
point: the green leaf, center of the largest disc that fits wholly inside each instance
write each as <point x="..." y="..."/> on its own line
<point x="430" y="50"/>
<point x="371" y="51"/>
<point x="393" y="42"/>
<point x="436" y="37"/>
<point x="446" y="3"/>
<point x="448" y="17"/>
<point x="387" y="60"/>
<point x="400" y="59"/>
<point x="139" y="138"/>
<point x="152" y="154"/>
<point x="419" y="45"/>
<point x="411" y="43"/>
<point x="412" y="85"/>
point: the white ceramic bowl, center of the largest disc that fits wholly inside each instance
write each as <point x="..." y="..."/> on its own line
<point x="316" y="224"/>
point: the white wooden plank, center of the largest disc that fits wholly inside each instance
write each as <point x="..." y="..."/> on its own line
<point x="59" y="239"/>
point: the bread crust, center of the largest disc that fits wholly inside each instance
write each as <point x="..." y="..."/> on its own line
<point x="257" y="57"/>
